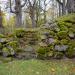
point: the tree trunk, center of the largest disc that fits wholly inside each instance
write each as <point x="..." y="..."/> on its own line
<point x="18" y="13"/>
<point x="71" y="6"/>
<point x="32" y="16"/>
<point x="63" y="8"/>
<point x="33" y="21"/>
<point x="60" y="8"/>
<point x="18" y="19"/>
<point x="44" y="11"/>
<point x="1" y="25"/>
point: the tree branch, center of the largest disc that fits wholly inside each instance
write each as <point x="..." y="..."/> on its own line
<point x="59" y="2"/>
<point x="11" y="8"/>
<point x="24" y="3"/>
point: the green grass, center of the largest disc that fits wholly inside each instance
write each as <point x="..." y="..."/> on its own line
<point x="38" y="67"/>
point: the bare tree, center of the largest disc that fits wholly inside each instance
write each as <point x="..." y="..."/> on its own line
<point x="63" y="5"/>
<point x="32" y="9"/>
<point x="17" y="11"/>
<point x="71" y="6"/>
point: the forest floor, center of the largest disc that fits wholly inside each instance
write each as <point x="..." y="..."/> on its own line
<point x="38" y="67"/>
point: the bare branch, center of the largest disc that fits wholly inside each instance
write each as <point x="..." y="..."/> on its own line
<point x="59" y="2"/>
<point x="11" y="8"/>
<point x="24" y="3"/>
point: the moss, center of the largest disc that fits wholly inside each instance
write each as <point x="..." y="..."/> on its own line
<point x="64" y="41"/>
<point x="67" y="18"/>
<point x="20" y="33"/>
<point x="61" y="23"/>
<point x="64" y="28"/>
<point x="62" y="34"/>
<point x="68" y="25"/>
<point x="2" y="36"/>
<point x="52" y="33"/>
<point x="70" y="53"/>
<point x="58" y="55"/>
<point x="1" y="46"/>
<point x="50" y="53"/>
<point x="6" y="50"/>
<point x="12" y="35"/>
<point x="42" y="52"/>
<point x="13" y="44"/>
<point x="57" y="42"/>
<point x="19" y="50"/>
<point x="71" y="43"/>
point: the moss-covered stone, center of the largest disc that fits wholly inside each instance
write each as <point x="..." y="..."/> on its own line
<point x="64" y="41"/>
<point x="13" y="44"/>
<point x="19" y="33"/>
<point x="62" y="34"/>
<point x="70" y="53"/>
<point x="58" y="55"/>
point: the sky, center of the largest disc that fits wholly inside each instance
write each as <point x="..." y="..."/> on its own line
<point x="2" y="4"/>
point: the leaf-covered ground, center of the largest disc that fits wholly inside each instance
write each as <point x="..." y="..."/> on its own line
<point x="38" y="67"/>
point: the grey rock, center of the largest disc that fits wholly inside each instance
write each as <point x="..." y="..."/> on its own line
<point x="29" y="48"/>
<point x="5" y="54"/>
<point x="46" y="33"/>
<point x="2" y="40"/>
<point x="12" y="51"/>
<point x="71" y="35"/>
<point x="51" y="40"/>
<point x="61" y="47"/>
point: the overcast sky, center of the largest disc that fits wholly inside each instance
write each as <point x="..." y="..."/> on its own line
<point x="3" y="3"/>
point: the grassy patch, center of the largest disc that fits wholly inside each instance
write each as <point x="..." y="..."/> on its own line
<point x="38" y="67"/>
